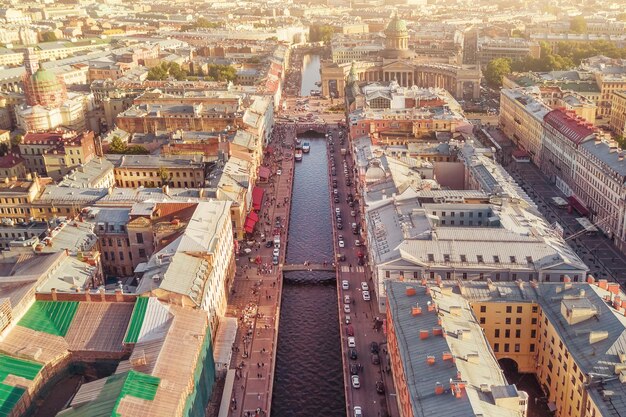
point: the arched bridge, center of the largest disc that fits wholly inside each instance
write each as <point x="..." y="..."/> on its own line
<point x="308" y="267"/>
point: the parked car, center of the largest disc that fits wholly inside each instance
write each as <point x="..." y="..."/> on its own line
<point x="351" y="342"/>
<point x="275" y="260"/>
<point x="354" y="369"/>
<point x="350" y="330"/>
<point x="380" y="387"/>
<point x="375" y="359"/>
<point x="366" y="295"/>
<point x="276" y="252"/>
<point x="358" y="412"/>
<point x="345" y="284"/>
<point x="346" y="299"/>
<point x="357" y="242"/>
<point x="348" y="319"/>
<point x="346" y="308"/>
<point x="269" y="244"/>
<point x="353" y="354"/>
<point x="355" y="381"/>
<point x="339" y="226"/>
<point x="364" y="286"/>
<point x="374" y="347"/>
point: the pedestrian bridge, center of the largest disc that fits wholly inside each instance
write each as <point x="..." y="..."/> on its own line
<point x="308" y="267"/>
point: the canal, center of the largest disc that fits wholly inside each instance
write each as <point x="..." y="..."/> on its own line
<point x="308" y="377"/>
<point x="310" y="74"/>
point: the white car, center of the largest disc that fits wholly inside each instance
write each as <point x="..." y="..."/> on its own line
<point x="337" y="210"/>
<point x="341" y="243"/>
<point x="355" y="381"/>
<point x="358" y="412"/>
<point x="345" y="284"/>
<point x="366" y="295"/>
<point x="357" y="242"/>
<point x="346" y="308"/>
<point x="364" y="286"/>
<point x="276" y="252"/>
<point x="279" y="172"/>
<point x="351" y="342"/>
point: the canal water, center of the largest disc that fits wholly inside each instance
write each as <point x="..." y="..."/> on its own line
<point x="308" y="377"/>
<point x="310" y="74"/>
<point x="309" y="381"/>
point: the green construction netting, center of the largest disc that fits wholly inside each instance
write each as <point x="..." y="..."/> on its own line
<point x="204" y="377"/>
<point x="53" y="317"/>
<point x="131" y="383"/>
<point x="9" y="396"/>
<point x="136" y="320"/>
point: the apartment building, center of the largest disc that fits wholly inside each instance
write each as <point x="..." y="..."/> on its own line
<point x="16" y="195"/>
<point x="156" y="171"/>
<point x="515" y="49"/>
<point x="12" y="166"/>
<point x="600" y="185"/>
<point x="441" y="363"/>
<point x="563" y="133"/>
<point x="196" y="270"/>
<point x="617" y="121"/>
<point x="521" y="119"/>
<point x="567" y="334"/>
<point x="97" y="173"/>
<point x="56" y="153"/>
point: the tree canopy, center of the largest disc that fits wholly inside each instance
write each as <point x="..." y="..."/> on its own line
<point x="578" y="24"/>
<point x="215" y="72"/>
<point x="321" y="33"/>
<point x="117" y="146"/>
<point x="203" y="23"/>
<point x="48" y="37"/>
<point x="496" y="69"/>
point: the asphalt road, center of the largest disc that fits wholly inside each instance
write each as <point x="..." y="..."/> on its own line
<point x="362" y="313"/>
<point x="603" y="259"/>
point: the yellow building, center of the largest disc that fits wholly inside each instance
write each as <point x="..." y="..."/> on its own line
<point x="617" y="122"/>
<point x="570" y="335"/>
<point x="155" y="171"/>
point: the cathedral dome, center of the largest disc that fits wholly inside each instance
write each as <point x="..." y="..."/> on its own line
<point x="396" y="27"/>
<point x="44" y="88"/>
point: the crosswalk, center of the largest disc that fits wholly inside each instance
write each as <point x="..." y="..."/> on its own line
<point x="346" y="268"/>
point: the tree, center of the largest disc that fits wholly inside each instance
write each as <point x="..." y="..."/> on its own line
<point x="321" y="33"/>
<point x="166" y="70"/>
<point x="48" y="37"/>
<point x="117" y="145"/>
<point x="496" y="69"/>
<point x="16" y="140"/>
<point x="578" y="24"/>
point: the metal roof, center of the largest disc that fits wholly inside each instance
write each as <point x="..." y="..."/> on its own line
<point x="53" y="317"/>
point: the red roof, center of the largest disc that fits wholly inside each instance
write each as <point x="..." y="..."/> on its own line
<point x="9" y="161"/>
<point x="257" y="197"/>
<point x="264" y="172"/>
<point x="569" y="125"/>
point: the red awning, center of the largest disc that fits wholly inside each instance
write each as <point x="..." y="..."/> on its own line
<point x="257" y="197"/>
<point x="264" y="172"/>
<point x="250" y="222"/>
<point x="578" y="205"/>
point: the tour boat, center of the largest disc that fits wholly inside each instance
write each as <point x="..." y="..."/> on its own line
<point x="306" y="147"/>
<point x="298" y="155"/>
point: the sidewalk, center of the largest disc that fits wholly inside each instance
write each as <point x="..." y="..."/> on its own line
<point x="255" y="299"/>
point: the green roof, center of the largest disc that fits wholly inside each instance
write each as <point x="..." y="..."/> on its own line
<point x="131" y="383"/>
<point x="43" y="75"/>
<point x="53" y="317"/>
<point x="136" y="320"/>
<point x="396" y="25"/>
<point x="9" y="395"/>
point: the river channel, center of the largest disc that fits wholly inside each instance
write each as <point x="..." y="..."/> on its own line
<point x="308" y="377"/>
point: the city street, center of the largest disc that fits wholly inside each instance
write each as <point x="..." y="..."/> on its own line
<point x="363" y="313"/>
<point x="597" y="251"/>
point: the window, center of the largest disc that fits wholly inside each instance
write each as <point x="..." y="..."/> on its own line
<point x="507" y="333"/>
<point x="142" y="252"/>
<point x="497" y="333"/>
<point x="507" y="320"/>
<point x="496" y="259"/>
<point x="518" y="320"/>
<point x="506" y="347"/>
<point x="497" y="276"/>
<point x="446" y="257"/>
<point x="496" y="347"/>
<point x="463" y="258"/>
<point x="387" y="274"/>
<point x="483" y="309"/>
<point x="535" y="309"/>
<point x="509" y="309"/>
<point x="532" y="347"/>
<point x="464" y="275"/>
<point x="517" y="347"/>
<point x="482" y="320"/>
<point x="518" y="333"/>
<point x="512" y="258"/>
<point x="139" y="237"/>
<point x="121" y="256"/>
<point x="534" y="320"/>
<point x="479" y="258"/>
<point x="519" y="309"/>
<point x="529" y="259"/>
<point x="533" y="333"/>
<point x="431" y="257"/>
